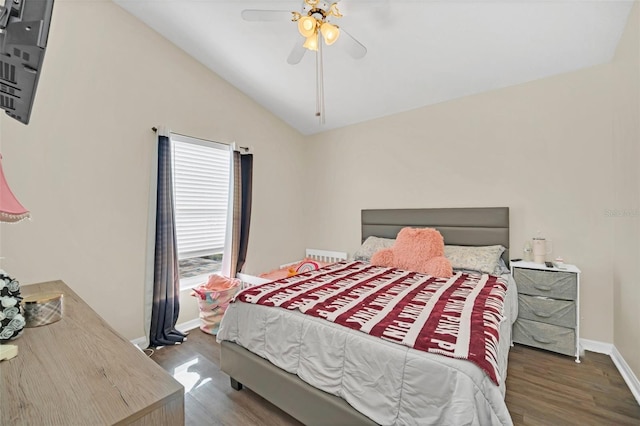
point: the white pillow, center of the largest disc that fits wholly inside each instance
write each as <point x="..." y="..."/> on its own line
<point x="484" y="259"/>
<point x="370" y="246"/>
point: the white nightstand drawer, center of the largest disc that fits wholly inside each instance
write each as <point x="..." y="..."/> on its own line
<point x="559" y="285"/>
<point x="550" y="311"/>
<point x="545" y="336"/>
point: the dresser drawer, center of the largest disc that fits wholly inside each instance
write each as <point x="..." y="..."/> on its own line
<point x="550" y="311"/>
<point x="559" y="285"/>
<point x="545" y="336"/>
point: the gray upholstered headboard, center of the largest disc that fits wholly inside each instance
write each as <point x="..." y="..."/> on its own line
<point x="474" y="226"/>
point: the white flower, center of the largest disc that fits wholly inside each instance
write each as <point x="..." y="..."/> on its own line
<point x="6" y="333"/>
<point x="11" y="312"/>
<point x="14" y="286"/>
<point x="8" y="302"/>
<point x="17" y="322"/>
<point x="2" y="315"/>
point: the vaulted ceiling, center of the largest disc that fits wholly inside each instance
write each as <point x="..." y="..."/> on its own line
<point x="418" y="52"/>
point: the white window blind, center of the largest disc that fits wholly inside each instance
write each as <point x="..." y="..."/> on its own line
<point x="201" y="189"/>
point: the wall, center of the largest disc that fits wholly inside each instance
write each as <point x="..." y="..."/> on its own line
<point x="542" y="148"/>
<point x="82" y="166"/>
<point x="626" y="147"/>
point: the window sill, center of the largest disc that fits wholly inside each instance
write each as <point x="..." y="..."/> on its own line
<point x="191" y="282"/>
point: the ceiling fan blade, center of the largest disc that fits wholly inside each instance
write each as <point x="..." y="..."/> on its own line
<point x="297" y="53"/>
<point x="377" y="7"/>
<point x="351" y="45"/>
<point x="266" y="15"/>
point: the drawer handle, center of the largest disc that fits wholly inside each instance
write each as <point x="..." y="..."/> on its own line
<point x="542" y="314"/>
<point x="542" y="287"/>
<point x="541" y="340"/>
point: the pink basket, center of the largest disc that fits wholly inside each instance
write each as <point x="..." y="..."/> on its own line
<point x="212" y="307"/>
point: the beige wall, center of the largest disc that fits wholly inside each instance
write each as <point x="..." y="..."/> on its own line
<point x="626" y="149"/>
<point x="82" y="165"/>
<point x="543" y="149"/>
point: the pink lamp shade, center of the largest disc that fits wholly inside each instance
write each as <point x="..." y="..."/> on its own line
<point x="10" y="208"/>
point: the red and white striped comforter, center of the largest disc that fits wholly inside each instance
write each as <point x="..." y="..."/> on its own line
<point x="458" y="317"/>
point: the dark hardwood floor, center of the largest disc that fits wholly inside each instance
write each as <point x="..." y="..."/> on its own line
<point x="543" y="388"/>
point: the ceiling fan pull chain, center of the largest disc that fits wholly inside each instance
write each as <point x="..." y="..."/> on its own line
<point x="319" y="84"/>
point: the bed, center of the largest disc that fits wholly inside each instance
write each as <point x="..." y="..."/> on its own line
<point x="346" y="377"/>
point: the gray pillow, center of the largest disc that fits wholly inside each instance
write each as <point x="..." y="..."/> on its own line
<point x="370" y="246"/>
<point x="484" y="259"/>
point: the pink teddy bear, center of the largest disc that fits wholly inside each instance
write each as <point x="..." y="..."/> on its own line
<point x="418" y="250"/>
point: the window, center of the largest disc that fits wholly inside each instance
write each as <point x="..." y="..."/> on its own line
<point x="201" y="171"/>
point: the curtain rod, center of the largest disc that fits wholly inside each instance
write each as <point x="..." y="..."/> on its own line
<point x="245" y="148"/>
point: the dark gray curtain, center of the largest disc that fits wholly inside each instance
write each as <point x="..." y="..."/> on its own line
<point x="242" y="186"/>
<point x="246" y="173"/>
<point x="166" y="282"/>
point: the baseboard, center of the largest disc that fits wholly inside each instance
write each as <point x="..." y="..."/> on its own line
<point x="141" y="342"/>
<point x="627" y="374"/>
<point x="189" y="325"/>
<point x="625" y="371"/>
<point x="595" y="346"/>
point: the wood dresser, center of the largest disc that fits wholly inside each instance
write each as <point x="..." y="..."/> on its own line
<point x="79" y="371"/>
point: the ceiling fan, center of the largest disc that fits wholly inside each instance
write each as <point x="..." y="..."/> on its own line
<point x="314" y="25"/>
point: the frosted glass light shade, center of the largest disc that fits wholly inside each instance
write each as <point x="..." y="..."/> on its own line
<point x="307" y="26"/>
<point x="311" y="42"/>
<point x="330" y="33"/>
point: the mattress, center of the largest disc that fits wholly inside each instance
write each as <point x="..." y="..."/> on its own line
<point x="389" y="383"/>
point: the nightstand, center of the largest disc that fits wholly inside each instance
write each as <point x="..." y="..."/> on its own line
<point x="548" y="307"/>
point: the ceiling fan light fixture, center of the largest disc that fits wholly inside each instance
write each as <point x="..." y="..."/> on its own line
<point x="330" y="33"/>
<point x="307" y="26"/>
<point x="311" y="42"/>
<point x="333" y="10"/>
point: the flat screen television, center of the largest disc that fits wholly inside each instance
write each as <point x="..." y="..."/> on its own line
<point x="24" y="30"/>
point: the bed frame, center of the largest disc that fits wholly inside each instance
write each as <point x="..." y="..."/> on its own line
<point x="458" y="226"/>
<point x="478" y="226"/>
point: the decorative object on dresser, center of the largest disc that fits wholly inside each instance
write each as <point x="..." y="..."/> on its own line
<point x="548" y="307"/>
<point x="42" y="309"/>
<point x="10" y="208"/>
<point x="80" y="371"/>
<point x="11" y="320"/>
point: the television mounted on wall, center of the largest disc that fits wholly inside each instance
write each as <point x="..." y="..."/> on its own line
<point x="24" y="30"/>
